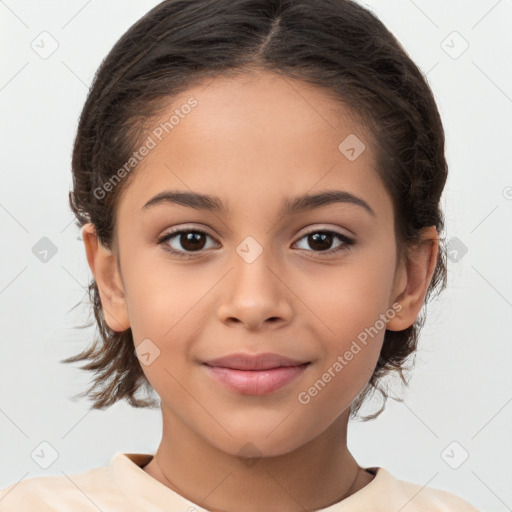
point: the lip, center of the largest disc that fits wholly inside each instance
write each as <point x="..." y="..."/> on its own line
<point x="255" y="374"/>
<point x="265" y="361"/>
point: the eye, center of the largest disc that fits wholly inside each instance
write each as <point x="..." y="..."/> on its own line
<point x="191" y="240"/>
<point x="321" y="240"/>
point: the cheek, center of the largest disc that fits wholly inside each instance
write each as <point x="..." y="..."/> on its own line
<point x="161" y="294"/>
<point x="351" y="301"/>
<point x="167" y="304"/>
<point x="347" y="298"/>
<point x="339" y="379"/>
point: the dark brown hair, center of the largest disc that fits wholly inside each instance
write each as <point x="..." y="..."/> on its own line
<point x="336" y="45"/>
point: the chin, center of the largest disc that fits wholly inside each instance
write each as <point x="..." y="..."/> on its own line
<point x="255" y="445"/>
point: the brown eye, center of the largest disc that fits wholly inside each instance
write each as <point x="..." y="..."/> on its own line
<point x="185" y="241"/>
<point x="322" y="240"/>
<point x="192" y="241"/>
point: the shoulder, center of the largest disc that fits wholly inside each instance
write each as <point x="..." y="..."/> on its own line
<point x="51" y="493"/>
<point x="414" y="497"/>
<point x="32" y="494"/>
<point x="120" y="485"/>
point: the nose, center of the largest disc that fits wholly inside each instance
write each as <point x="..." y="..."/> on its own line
<point x="255" y="296"/>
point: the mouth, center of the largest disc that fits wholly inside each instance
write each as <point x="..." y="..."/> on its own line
<point x="255" y="374"/>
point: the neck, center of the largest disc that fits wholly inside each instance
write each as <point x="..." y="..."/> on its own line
<point x="313" y="476"/>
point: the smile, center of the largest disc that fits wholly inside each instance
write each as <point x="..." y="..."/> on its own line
<point x="255" y="374"/>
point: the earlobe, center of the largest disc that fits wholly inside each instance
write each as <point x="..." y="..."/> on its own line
<point x="103" y="265"/>
<point x="417" y="276"/>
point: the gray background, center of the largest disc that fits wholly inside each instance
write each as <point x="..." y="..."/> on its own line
<point x="459" y="401"/>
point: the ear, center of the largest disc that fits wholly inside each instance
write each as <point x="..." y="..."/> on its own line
<point x="103" y="265"/>
<point x="412" y="280"/>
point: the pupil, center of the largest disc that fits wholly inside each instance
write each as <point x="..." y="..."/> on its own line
<point x="316" y="237"/>
<point x="190" y="241"/>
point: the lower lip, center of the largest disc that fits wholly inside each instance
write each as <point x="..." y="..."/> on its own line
<point x="256" y="382"/>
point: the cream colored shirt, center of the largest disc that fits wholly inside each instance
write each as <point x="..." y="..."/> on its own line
<point x="123" y="486"/>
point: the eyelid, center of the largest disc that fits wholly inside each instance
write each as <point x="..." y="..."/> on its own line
<point x="333" y="229"/>
<point x="181" y="229"/>
<point x="307" y="231"/>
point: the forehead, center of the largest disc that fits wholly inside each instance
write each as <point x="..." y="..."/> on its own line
<point x="255" y="140"/>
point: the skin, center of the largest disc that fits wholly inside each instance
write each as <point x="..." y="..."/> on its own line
<point x="255" y="140"/>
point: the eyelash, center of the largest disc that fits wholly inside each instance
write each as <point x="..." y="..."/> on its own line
<point x="347" y="242"/>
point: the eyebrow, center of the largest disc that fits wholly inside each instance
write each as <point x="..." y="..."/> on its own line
<point x="291" y="206"/>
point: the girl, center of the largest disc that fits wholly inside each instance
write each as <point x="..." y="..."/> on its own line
<point x="258" y="186"/>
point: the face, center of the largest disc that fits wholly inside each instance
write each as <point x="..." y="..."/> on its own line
<point x="252" y="277"/>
